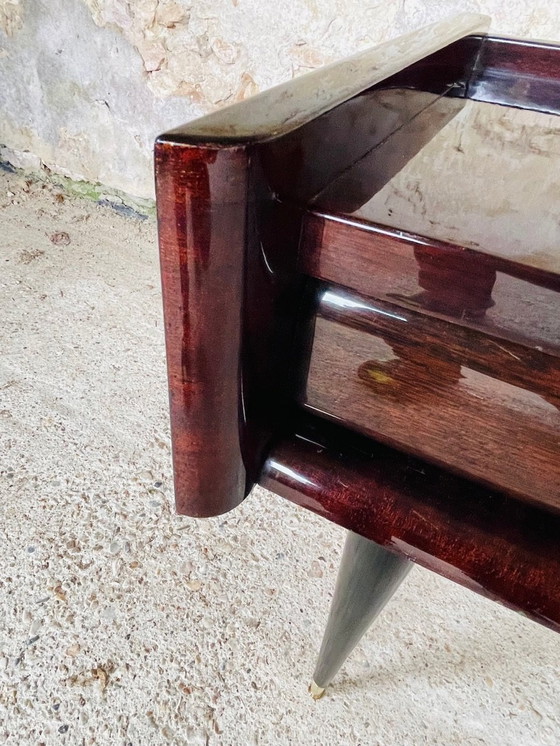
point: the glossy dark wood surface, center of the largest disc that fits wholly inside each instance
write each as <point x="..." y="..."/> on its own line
<point x="231" y="286"/>
<point x="388" y="126"/>
<point x="497" y="296"/>
<point x="511" y="72"/>
<point x="202" y="201"/>
<point x="486" y="181"/>
<point x="479" y="405"/>
<point x="232" y="193"/>
<point x="230" y="277"/>
<point x="517" y="73"/>
<point x="230" y="298"/>
<point x="499" y="547"/>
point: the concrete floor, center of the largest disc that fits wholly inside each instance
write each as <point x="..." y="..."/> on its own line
<point x="122" y="623"/>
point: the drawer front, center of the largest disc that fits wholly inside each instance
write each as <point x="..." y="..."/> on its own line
<point x="481" y="406"/>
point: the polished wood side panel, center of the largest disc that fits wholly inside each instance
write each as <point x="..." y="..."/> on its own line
<point x="379" y="164"/>
<point x="230" y="278"/>
<point x="230" y="293"/>
<point x="370" y="138"/>
<point x="202" y="206"/>
<point x="453" y="345"/>
<point x="448" y="69"/>
<point x="503" y="298"/>
<point x="506" y="550"/>
<point x="228" y="253"/>
<point x="511" y="72"/>
<point x="481" y="406"/>
<point x="351" y="166"/>
<point x="517" y="73"/>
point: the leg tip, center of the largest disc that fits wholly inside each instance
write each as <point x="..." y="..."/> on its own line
<point x="315" y="690"/>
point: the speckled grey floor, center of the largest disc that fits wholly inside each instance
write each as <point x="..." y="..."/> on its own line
<point x="122" y="623"/>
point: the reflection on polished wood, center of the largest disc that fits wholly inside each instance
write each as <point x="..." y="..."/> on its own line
<point x="228" y="247"/>
<point x="482" y="406"/>
<point x="507" y="299"/>
<point x="289" y="106"/>
<point x="230" y="295"/>
<point x="512" y="72"/>
<point x="488" y="180"/>
<point x="380" y="174"/>
<point x="502" y="548"/>
<point x="390" y="126"/>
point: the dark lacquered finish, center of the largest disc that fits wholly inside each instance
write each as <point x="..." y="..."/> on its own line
<point x="511" y="72"/>
<point x="502" y="548"/>
<point x="389" y="127"/>
<point x="233" y="288"/>
<point x="492" y="294"/>
<point x="517" y="73"/>
<point x="478" y="404"/>
<point x="368" y="577"/>
<point x="228" y="248"/>
<point x="202" y="201"/>
<point x="230" y="297"/>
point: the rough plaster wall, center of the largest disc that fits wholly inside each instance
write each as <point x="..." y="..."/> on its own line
<point x="87" y="84"/>
<point x="10" y="16"/>
<point x="75" y="97"/>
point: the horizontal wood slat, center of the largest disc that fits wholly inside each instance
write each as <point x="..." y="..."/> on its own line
<point x="482" y="406"/>
<point x="471" y="288"/>
<point x="502" y="548"/>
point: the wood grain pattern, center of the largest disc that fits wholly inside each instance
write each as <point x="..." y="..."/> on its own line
<point x="230" y="299"/>
<point x="202" y="198"/>
<point x="483" y="407"/>
<point x="513" y="301"/>
<point x="487" y="181"/>
<point x="230" y="277"/>
<point x="228" y="254"/>
<point x="499" y="547"/>
<point x="457" y="362"/>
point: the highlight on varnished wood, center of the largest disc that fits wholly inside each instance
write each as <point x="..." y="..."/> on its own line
<point x="469" y="287"/>
<point x="513" y="72"/>
<point x="290" y="105"/>
<point x="230" y="278"/>
<point x="230" y="297"/>
<point x="202" y="202"/>
<point x="497" y="546"/>
<point x="487" y="181"/>
<point x="229" y="273"/>
<point x="477" y="404"/>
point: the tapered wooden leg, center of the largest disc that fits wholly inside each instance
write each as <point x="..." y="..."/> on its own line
<point x="368" y="577"/>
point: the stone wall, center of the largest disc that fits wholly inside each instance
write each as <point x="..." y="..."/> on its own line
<point x="88" y="84"/>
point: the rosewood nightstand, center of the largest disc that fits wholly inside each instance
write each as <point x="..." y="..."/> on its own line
<point x="361" y="276"/>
